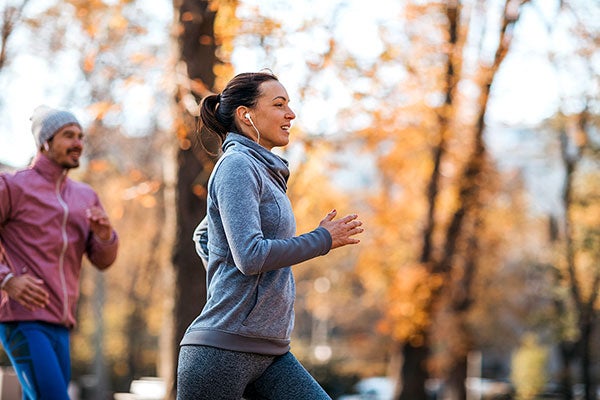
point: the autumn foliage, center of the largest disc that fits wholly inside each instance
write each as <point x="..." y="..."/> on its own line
<point x="458" y="257"/>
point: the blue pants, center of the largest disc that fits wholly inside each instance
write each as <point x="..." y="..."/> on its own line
<point x="39" y="353"/>
<point x="216" y="374"/>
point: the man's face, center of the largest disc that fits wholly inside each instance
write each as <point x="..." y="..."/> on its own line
<point x="66" y="146"/>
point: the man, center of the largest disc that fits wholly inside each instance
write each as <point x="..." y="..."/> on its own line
<point x="47" y="223"/>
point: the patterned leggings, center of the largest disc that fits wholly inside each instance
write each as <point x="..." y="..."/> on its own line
<point x="39" y="353"/>
<point x="216" y="374"/>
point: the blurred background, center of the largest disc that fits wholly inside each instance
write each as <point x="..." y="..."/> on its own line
<point x="465" y="133"/>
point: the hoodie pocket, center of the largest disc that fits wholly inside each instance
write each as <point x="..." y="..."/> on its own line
<point x="257" y="300"/>
<point x="272" y="312"/>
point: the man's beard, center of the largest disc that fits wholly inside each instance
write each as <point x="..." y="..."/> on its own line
<point x="71" y="164"/>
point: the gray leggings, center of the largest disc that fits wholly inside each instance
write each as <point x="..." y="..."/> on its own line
<point x="216" y="374"/>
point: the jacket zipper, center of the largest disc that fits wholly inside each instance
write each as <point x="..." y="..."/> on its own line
<point x="61" y="260"/>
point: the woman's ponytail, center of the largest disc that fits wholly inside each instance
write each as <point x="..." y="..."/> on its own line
<point x="217" y="111"/>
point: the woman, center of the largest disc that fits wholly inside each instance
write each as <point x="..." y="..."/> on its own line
<point x="239" y="345"/>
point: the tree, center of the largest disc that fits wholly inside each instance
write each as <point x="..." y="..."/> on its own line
<point x="126" y="173"/>
<point x="471" y="183"/>
<point x="576" y="264"/>
<point x="198" y="42"/>
<point x="450" y="220"/>
<point x="581" y="253"/>
<point x="11" y="16"/>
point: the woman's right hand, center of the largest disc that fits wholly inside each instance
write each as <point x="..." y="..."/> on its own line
<point x="342" y="230"/>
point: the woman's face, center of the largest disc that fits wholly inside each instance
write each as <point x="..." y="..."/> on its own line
<point x="272" y="115"/>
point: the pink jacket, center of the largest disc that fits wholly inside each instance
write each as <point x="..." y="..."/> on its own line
<point x="45" y="232"/>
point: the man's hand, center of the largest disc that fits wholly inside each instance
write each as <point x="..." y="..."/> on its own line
<point x="28" y="291"/>
<point x="99" y="223"/>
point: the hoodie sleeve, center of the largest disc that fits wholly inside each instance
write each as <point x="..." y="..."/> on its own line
<point x="102" y="253"/>
<point x="4" y="212"/>
<point x="200" y="239"/>
<point x="237" y="192"/>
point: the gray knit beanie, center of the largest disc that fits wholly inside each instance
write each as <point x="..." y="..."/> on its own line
<point x="46" y="121"/>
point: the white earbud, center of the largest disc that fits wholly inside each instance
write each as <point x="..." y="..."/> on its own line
<point x="247" y="115"/>
<point x="46" y="146"/>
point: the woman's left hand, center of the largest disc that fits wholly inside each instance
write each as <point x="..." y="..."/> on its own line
<point x="342" y="230"/>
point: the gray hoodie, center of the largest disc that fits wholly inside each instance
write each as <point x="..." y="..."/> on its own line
<point x="251" y="248"/>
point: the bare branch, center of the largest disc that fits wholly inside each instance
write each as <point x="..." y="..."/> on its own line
<point x="10" y="16"/>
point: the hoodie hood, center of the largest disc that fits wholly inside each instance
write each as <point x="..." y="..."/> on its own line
<point x="275" y="165"/>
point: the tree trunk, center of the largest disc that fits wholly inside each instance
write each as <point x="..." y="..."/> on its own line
<point x="566" y="358"/>
<point x="100" y="389"/>
<point x="586" y="375"/>
<point x="586" y="306"/>
<point x="197" y="46"/>
<point x="414" y="372"/>
<point x="413" y="380"/>
<point x="456" y="389"/>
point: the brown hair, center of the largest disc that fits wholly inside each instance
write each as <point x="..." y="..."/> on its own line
<point x="217" y="111"/>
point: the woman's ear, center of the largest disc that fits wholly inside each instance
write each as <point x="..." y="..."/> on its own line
<point x="242" y="113"/>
